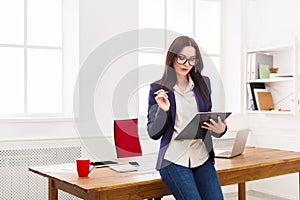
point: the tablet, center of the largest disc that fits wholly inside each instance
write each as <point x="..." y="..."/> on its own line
<point x="193" y="129"/>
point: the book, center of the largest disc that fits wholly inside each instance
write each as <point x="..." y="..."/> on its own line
<point x="250" y="98"/>
<point x="263" y="60"/>
<point x="253" y="67"/>
<point x="264" y="71"/>
<point x="256" y="59"/>
<point x="255" y="86"/>
<point x="264" y="99"/>
<point x="249" y="61"/>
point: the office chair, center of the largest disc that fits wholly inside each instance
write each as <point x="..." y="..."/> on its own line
<point x="127" y="139"/>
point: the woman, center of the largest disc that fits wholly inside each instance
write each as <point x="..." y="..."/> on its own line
<point x="186" y="166"/>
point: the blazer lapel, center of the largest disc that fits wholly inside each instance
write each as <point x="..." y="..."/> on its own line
<point x="200" y="103"/>
<point x="172" y="106"/>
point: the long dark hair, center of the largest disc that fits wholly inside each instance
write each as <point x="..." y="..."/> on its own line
<point x="169" y="78"/>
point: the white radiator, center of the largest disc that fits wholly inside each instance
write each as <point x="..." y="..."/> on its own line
<point x="17" y="183"/>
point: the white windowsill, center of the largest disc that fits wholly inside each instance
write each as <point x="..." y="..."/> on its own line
<point x="30" y="119"/>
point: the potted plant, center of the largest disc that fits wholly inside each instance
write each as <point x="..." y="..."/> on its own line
<point x="273" y="72"/>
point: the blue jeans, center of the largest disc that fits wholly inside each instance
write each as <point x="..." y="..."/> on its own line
<point x="200" y="183"/>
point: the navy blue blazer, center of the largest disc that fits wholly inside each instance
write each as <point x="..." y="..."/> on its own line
<point x="161" y="124"/>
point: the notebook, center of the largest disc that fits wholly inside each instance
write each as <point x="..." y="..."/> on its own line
<point x="237" y="148"/>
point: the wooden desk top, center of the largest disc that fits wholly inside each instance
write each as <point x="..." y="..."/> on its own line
<point x="253" y="164"/>
<point x="101" y="179"/>
<point x="256" y="156"/>
<point x="257" y="163"/>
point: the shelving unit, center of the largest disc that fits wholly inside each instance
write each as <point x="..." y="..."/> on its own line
<point x="270" y="112"/>
<point x="271" y="80"/>
<point x="285" y="89"/>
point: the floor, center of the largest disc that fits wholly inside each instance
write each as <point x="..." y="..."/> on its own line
<point x="251" y="195"/>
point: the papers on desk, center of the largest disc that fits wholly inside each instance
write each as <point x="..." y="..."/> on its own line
<point x="71" y="167"/>
<point x="124" y="167"/>
<point x="118" y="166"/>
<point x="68" y="167"/>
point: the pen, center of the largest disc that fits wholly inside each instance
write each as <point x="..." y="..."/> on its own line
<point x="166" y="92"/>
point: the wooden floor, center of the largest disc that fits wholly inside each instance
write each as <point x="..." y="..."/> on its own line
<point x="251" y="195"/>
<point x="254" y="195"/>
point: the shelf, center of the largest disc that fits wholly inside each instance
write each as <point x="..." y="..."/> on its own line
<point x="271" y="80"/>
<point x="270" y="112"/>
<point x="284" y="87"/>
<point x="271" y="49"/>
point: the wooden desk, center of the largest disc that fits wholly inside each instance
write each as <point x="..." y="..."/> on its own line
<point x="106" y="184"/>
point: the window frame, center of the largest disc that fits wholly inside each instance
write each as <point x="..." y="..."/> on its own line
<point x="66" y="114"/>
<point x="142" y="112"/>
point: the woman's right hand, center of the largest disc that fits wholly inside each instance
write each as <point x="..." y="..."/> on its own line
<point x="162" y="100"/>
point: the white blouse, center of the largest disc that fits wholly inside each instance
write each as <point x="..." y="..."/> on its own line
<point x="188" y="153"/>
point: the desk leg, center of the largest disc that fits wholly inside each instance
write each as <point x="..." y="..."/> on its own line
<point x="242" y="191"/>
<point x="52" y="190"/>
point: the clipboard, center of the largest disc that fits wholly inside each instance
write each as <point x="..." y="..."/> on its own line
<point x="193" y="129"/>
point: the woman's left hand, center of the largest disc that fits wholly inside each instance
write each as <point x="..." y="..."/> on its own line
<point x="217" y="127"/>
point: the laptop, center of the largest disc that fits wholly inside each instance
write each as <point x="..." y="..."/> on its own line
<point x="238" y="146"/>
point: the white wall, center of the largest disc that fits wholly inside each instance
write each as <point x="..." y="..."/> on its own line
<point x="260" y="23"/>
<point x="232" y="39"/>
<point x="274" y="22"/>
<point x="100" y="22"/>
<point x="270" y="23"/>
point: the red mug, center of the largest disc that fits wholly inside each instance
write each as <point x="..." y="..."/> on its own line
<point x="83" y="167"/>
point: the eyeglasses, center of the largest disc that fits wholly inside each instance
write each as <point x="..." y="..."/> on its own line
<point x="181" y="59"/>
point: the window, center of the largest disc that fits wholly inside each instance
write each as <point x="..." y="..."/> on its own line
<point x="197" y="19"/>
<point x="146" y="58"/>
<point x="33" y="57"/>
<point x="207" y="30"/>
